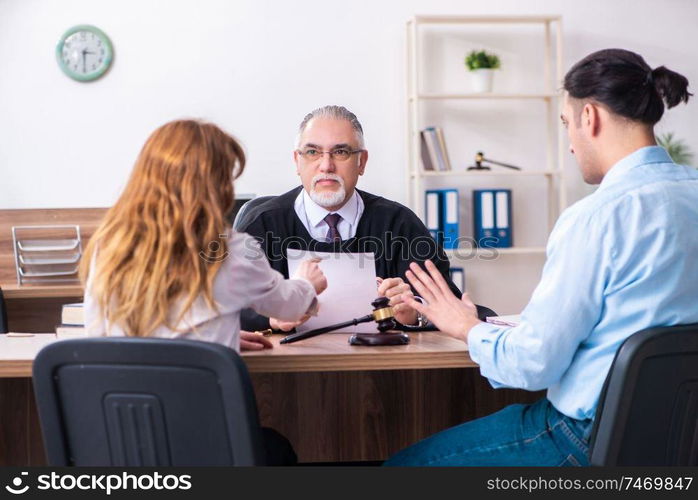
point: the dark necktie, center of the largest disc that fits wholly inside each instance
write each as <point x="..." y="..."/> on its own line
<point x="332" y="233"/>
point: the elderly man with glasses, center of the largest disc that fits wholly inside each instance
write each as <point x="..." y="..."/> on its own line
<point x="328" y="214"/>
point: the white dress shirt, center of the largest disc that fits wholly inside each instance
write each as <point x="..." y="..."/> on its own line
<point x="244" y="280"/>
<point x="312" y="216"/>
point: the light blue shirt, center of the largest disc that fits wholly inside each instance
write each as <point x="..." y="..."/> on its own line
<point x="621" y="260"/>
<point x="313" y="216"/>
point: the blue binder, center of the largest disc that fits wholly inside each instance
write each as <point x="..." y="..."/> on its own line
<point x="432" y="213"/>
<point x="492" y="218"/>
<point x="441" y="216"/>
<point x="457" y="275"/>
<point x="449" y="218"/>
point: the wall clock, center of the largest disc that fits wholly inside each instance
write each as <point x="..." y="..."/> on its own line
<point x="84" y="53"/>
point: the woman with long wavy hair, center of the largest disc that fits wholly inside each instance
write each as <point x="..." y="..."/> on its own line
<point x="165" y="261"/>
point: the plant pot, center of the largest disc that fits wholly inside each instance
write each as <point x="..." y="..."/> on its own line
<point x="482" y="80"/>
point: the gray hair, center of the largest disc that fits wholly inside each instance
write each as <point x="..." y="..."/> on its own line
<point x="336" y="112"/>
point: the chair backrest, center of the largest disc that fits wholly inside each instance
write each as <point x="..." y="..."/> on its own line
<point x="245" y="209"/>
<point x="146" y="402"/>
<point x="648" y="409"/>
<point x="4" y="328"/>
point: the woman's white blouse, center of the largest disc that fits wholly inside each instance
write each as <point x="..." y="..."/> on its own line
<point x="244" y="280"/>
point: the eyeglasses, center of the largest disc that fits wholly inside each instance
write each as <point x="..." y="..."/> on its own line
<point x="338" y="155"/>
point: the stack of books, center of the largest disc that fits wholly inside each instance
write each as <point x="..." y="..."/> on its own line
<point x="72" y="322"/>
<point x="433" y="150"/>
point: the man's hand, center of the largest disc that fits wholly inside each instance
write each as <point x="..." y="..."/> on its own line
<point x="287" y="326"/>
<point x="452" y="316"/>
<point x="395" y="289"/>
<point x="250" y="341"/>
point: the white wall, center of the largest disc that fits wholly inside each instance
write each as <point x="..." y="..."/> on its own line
<point x="256" y="67"/>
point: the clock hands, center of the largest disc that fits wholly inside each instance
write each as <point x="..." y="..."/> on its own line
<point x="84" y="61"/>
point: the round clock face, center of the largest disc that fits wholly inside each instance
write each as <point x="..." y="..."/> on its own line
<point x="84" y="53"/>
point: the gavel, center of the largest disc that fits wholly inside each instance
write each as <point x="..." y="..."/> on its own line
<point x="382" y="314"/>
<point x="480" y="157"/>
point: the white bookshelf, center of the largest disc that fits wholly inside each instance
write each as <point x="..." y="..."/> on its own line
<point x="484" y="95"/>
<point x="495" y="173"/>
<point x="546" y="176"/>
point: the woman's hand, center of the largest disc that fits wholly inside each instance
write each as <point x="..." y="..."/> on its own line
<point x="310" y="270"/>
<point x="287" y="326"/>
<point x="250" y="341"/>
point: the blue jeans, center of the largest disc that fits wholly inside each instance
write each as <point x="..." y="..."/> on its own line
<point x="519" y="435"/>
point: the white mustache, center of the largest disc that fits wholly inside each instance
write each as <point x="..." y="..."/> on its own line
<point x="331" y="177"/>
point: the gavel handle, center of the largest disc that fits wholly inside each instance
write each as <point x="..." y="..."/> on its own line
<point x="319" y="331"/>
<point x="502" y="164"/>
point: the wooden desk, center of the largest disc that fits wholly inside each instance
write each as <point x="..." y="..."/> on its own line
<point x="325" y="353"/>
<point x="13" y="291"/>
<point x="335" y="402"/>
<point x="37" y="308"/>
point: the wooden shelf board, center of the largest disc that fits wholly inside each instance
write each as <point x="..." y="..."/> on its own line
<point x="484" y="95"/>
<point x="421" y="19"/>
<point x="512" y="173"/>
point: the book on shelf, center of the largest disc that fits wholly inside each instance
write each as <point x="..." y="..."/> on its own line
<point x="73" y="314"/>
<point x="492" y="218"/>
<point x="427" y="161"/>
<point x="70" y="332"/>
<point x="430" y="144"/>
<point x="435" y="157"/>
<point x="442" y="147"/>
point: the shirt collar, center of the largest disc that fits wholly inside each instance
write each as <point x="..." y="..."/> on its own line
<point x="642" y="156"/>
<point x="316" y="213"/>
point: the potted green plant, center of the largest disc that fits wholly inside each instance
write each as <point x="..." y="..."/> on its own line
<point x="481" y="65"/>
<point x="677" y="149"/>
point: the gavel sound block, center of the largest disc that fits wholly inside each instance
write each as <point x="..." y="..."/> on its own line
<point x="384" y="316"/>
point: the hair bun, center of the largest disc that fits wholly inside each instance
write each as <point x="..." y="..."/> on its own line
<point x="672" y="87"/>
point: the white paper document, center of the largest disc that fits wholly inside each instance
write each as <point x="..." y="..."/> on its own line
<point x="351" y="287"/>
<point x="511" y="320"/>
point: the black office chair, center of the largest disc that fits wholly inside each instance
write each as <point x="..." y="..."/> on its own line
<point x="146" y="402"/>
<point x="3" y="314"/>
<point x="648" y="410"/>
<point x="245" y="210"/>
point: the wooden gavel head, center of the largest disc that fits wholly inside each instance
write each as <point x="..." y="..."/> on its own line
<point x="383" y="314"/>
<point x="479" y="158"/>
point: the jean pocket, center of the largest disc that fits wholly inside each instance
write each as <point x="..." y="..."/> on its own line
<point x="581" y="445"/>
<point x="569" y="461"/>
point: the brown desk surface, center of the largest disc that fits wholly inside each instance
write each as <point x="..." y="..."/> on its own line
<point x="330" y="352"/>
<point x="14" y="291"/>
